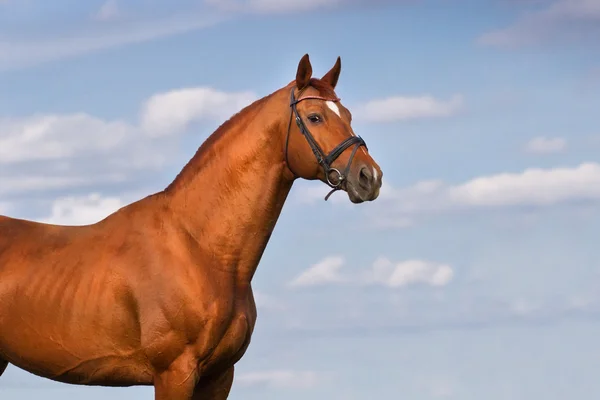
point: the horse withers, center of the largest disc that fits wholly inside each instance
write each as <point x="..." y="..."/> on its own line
<point x="159" y="292"/>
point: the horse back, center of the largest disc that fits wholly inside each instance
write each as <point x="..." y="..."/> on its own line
<point x="22" y="237"/>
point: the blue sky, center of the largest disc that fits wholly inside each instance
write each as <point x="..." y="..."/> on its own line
<point x="475" y="275"/>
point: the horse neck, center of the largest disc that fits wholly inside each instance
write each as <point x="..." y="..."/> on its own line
<point x="230" y="195"/>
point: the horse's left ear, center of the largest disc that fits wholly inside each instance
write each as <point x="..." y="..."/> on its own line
<point x="333" y="75"/>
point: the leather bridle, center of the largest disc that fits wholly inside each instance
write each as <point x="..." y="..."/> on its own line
<point x="324" y="160"/>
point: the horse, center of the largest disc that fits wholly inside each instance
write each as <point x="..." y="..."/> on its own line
<point x="159" y="292"/>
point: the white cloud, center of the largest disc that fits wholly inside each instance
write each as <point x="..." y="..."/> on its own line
<point x="46" y="137"/>
<point x="534" y="186"/>
<point x="46" y="152"/>
<point x="108" y="11"/>
<point x="267" y="302"/>
<point x="544" y="145"/>
<point x="409" y="272"/>
<point x="581" y="301"/>
<point x="559" y="20"/>
<point x="74" y="38"/>
<point x="82" y="210"/>
<point x="282" y="6"/>
<point x="531" y="187"/>
<point x="50" y="152"/>
<point x="17" y="52"/>
<point x="442" y="387"/>
<point x="279" y="379"/>
<point x="324" y="272"/>
<point x="399" y="108"/>
<point x="523" y="307"/>
<point x="20" y="185"/>
<point x="286" y="6"/>
<point x="173" y="111"/>
<point x="274" y="6"/>
<point x="382" y="272"/>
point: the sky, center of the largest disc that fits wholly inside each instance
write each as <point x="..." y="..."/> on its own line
<point x="475" y="275"/>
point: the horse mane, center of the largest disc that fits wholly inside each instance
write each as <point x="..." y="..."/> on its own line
<point x="194" y="164"/>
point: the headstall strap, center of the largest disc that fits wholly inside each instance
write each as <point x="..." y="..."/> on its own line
<point x="324" y="160"/>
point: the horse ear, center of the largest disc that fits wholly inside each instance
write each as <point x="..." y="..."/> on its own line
<point x="333" y="75"/>
<point x="304" y="72"/>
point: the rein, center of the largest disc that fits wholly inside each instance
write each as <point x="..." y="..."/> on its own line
<point x="324" y="160"/>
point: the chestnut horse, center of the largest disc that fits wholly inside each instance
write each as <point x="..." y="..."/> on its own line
<point x="159" y="292"/>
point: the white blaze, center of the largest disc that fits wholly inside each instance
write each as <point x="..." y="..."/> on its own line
<point x="333" y="107"/>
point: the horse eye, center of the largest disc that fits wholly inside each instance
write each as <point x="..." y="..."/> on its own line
<point x="314" y="118"/>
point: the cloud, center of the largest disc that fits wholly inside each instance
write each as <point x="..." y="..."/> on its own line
<point x="534" y="187"/>
<point x="401" y="312"/>
<point x="173" y="111"/>
<point x="439" y="387"/>
<point x="82" y="210"/>
<point x="267" y="302"/>
<point x="324" y="272"/>
<point x="286" y="6"/>
<point x="581" y="301"/>
<point x="77" y="151"/>
<point x="108" y="11"/>
<point x="560" y="20"/>
<point x="19" y="184"/>
<point x="384" y="272"/>
<point x="281" y="6"/>
<point x="400" y="108"/>
<point x="18" y="52"/>
<point x="44" y="153"/>
<point x="279" y="379"/>
<point x="54" y="137"/>
<point x="109" y="28"/>
<point x="524" y="307"/>
<point x="543" y="145"/>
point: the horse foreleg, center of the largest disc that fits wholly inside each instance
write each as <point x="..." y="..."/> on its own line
<point x="3" y="365"/>
<point x="214" y="387"/>
<point x="177" y="382"/>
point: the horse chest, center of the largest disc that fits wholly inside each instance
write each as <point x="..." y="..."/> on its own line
<point x="234" y="341"/>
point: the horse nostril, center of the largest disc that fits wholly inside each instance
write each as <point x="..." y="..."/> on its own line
<point x="364" y="178"/>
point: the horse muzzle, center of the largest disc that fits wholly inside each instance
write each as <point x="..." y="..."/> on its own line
<point x="363" y="184"/>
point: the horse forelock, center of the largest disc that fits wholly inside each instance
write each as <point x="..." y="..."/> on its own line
<point x="324" y="88"/>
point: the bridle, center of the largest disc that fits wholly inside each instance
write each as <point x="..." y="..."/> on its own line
<point x="324" y="160"/>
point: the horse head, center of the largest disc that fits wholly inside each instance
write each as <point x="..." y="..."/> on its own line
<point x="321" y="144"/>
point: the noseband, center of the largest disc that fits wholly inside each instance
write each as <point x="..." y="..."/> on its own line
<point x="324" y="160"/>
